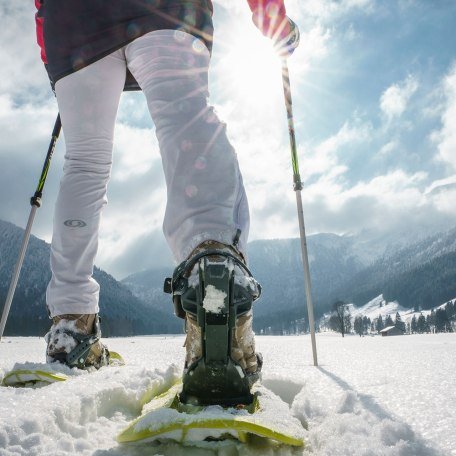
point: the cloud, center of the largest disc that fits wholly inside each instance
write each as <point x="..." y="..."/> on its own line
<point x="330" y="10"/>
<point x="21" y="69"/>
<point x="395" y="98"/>
<point x="389" y="148"/>
<point x="326" y="157"/>
<point x="145" y="251"/>
<point x="445" y="138"/>
<point x="382" y="203"/>
<point x="136" y="152"/>
<point x="441" y="184"/>
<point x="442" y="194"/>
<point x="133" y="217"/>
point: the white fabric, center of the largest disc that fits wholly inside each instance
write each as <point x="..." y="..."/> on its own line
<point x="205" y="193"/>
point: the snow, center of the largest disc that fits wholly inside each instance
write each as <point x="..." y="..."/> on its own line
<point x="388" y="328"/>
<point x="60" y="337"/>
<point x="370" y="396"/>
<point x="214" y="300"/>
<point x="375" y="307"/>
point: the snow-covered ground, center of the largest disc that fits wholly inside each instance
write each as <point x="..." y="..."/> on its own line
<point x="370" y="396"/>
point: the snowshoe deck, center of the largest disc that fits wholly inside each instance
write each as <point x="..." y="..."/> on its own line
<point x="166" y="419"/>
<point x="45" y="375"/>
<point x="29" y="377"/>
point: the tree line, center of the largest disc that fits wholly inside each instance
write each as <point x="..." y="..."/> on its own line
<point x="440" y="320"/>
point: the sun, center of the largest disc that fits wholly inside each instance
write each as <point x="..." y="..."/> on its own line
<point x="250" y="67"/>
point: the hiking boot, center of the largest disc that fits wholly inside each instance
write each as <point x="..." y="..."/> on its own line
<point x="242" y="335"/>
<point x="74" y="340"/>
<point x="242" y="348"/>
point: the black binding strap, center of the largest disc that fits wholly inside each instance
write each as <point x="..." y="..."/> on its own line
<point x="78" y="356"/>
<point x="172" y="285"/>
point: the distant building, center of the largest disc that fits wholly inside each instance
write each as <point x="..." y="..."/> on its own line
<point x="392" y="331"/>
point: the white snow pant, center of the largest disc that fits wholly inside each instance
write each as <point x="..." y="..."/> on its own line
<point x="205" y="194"/>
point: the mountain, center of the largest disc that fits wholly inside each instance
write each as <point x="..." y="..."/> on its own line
<point x="372" y="310"/>
<point x="412" y="271"/>
<point x="121" y="312"/>
<point x="148" y="286"/>
<point x="415" y="273"/>
<point x="277" y="265"/>
<point x="376" y="307"/>
<point x="421" y="275"/>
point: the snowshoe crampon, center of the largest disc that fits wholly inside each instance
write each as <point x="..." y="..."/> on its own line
<point x="165" y="418"/>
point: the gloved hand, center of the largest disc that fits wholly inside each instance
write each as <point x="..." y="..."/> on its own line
<point x="286" y="46"/>
<point x="271" y="19"/>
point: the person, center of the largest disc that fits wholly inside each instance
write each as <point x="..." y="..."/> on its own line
<point x="93" y="51"/>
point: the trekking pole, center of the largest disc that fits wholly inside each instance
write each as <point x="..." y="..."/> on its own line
<point x="35" y="202"/>
<point x="297" y="185"/>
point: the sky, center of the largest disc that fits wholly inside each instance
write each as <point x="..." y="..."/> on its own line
<point x="374" y="96"/>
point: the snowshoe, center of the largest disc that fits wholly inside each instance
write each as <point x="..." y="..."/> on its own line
<point x="36" y="375"/>
<point x="73" y="343"/>
<point x="165" y="418"/>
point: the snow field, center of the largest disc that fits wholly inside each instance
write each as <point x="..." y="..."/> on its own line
<point x="370" y="396"/>
<point x="78" y="416"/>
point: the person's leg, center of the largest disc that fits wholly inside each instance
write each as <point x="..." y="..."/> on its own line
<point x="88" y="101"/>
<point x="206" y="197"/>
<point x="206" y="208"/>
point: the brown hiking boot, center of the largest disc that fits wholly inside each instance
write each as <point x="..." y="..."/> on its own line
<point x="242" y="348"/>
<point x="74" y="340"/>
<point x="243" y="337"/>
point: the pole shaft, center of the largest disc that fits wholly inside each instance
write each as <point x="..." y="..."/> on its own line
<point x="17" y="270"/>
<point x="307" y="281"/>
<point x="298" y="187"/>
<point x="35" y="202"/>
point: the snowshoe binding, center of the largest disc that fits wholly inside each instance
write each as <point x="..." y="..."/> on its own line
<point x="74" y="340"/>
<point x="214" y="291"/>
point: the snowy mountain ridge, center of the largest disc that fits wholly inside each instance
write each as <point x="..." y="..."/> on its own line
<point x="379" y="307"/>
<point x="421" y="275"/>
<point x="376" y="307"/>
